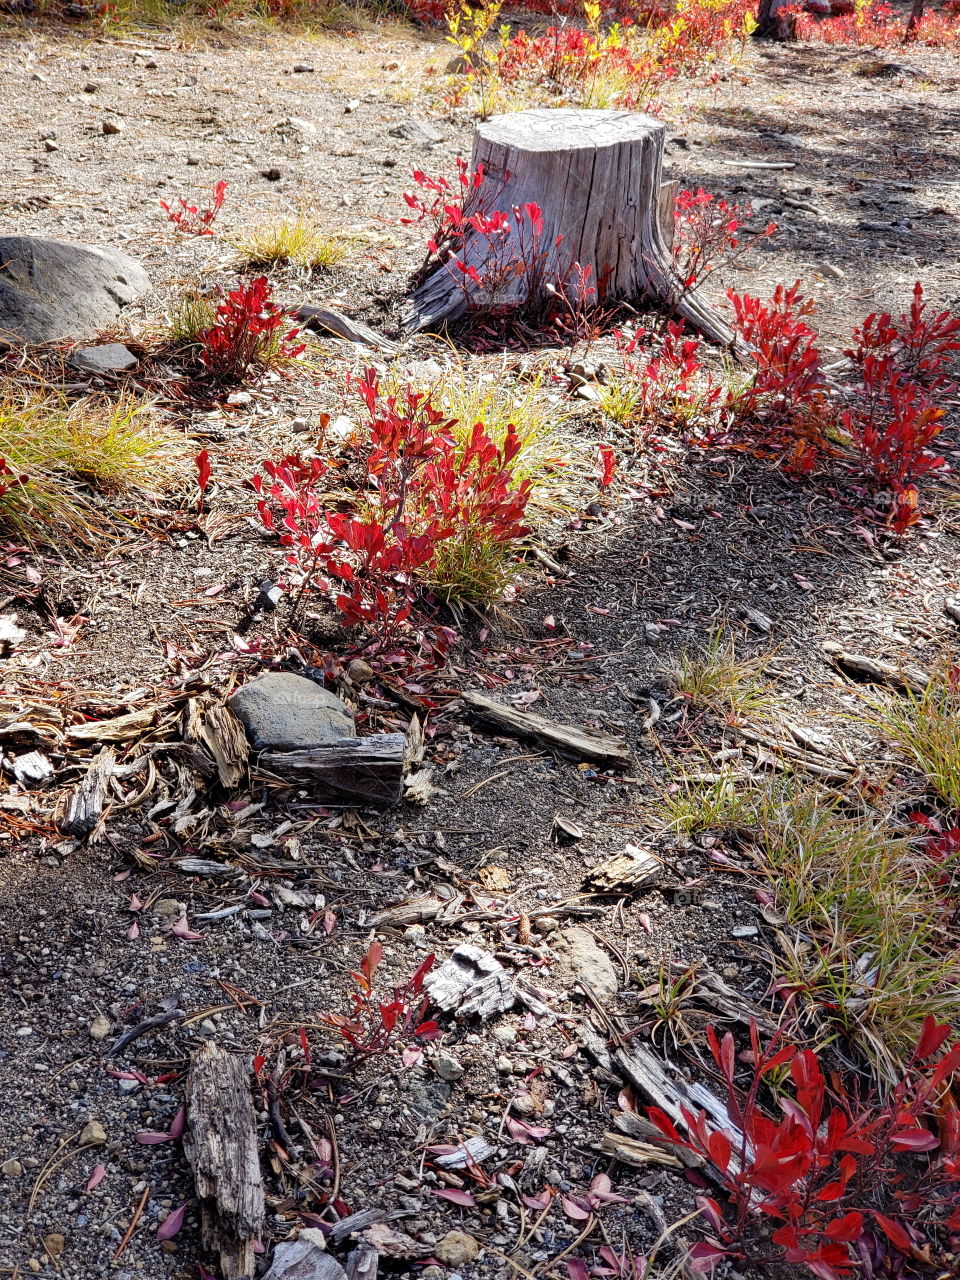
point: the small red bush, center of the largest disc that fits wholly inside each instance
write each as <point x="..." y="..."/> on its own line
<point x="852" y="1183"/>
<point x="190" y="218"/>
<point x="246" y="338"/>
<point x="374" y="1027"/>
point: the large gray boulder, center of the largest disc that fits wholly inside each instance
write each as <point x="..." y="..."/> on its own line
<point x="51" y="290"/>
<point x="286" y="712"/>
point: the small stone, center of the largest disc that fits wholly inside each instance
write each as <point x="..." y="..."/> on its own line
<point x="359" y="671"/>
<point x="744" y="931"/>
<point x="456" y="1249"/>
<point x="111" y="357"/>
<point x="587" y="963"/>
<point x="50" y="145"/>
<point x="448" y="1067"/>
<point x="272" y="174"/>
<point x="415" y="933"/>
<point x="505" y="1032"/>
<point x="46" y="134"/>
<point x="93" y="1135"/>
<point x="546" y="924"/>
<point x="167" y="907"/>
<point x="90" y="87"/>
<point x="416" y="131"/>
<point x="828" y="269"/>
<point x="193" y="160"/>
<point x="100" y="1027"/>
<point x="302" y="68"/>
<point x="288" y="712"/>
<point x="111" y="127"/>
<point x="351" y="106"/>
<point x="54" y="1244"/>
<point x="11" y="1168"/>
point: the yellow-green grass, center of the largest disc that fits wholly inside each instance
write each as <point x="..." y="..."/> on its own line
<point x="925" y="726"/>
<point x="719" y="679"/>
<point x="297" y="242"/>
<point x="75" y="456"/>
<point x="866" y="945"/>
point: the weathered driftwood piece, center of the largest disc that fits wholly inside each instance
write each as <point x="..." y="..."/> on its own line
<point x="876" y="670"/>
<point x="417" y="911"/>
<point x="84" y="806"/>
<point x="119" y="729"/>
<point x="325" y="320"/>
<point x="471" y="981"/>
<point x="355" y="771"/>
<point x="218" y="729"/>
<point x="634" y="1152"/>
<point x="633" y="869"/>
<point x="363" y="1262"/>
<point x="595" y="175"/>
<point x="220" y="1143"/>
<point x="564" y="737"/>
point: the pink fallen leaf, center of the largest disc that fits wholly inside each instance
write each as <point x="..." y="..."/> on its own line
<point x="645" y="922"/>
<point x="134" y="931"/>
<point x="181" y="929"/>
<point x="410" y="1056"/>
<point x="457" y="1197"/>
<point x="97" y="1175"/>
<point x="577" y="1269"/>
<point x="550" y="622"/>
<point x="537" y="1203"/>
<point x="178" y="1124"/>
<point x="574" y="1209"/>
<point x="172" y="1223"/>
<point x="135" y="903"/>
<point x="520" y="1131"/>
<point x="329" y="921"/>
<point x="123" y="875"/>
<point x="149" y="1138"/>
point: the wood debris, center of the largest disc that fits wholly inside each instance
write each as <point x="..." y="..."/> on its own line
<point x="471" y="981"/>
<point x="305" y="1258"/>
<point x="214" y="726"/>
<point x="570" y="739"/>
<point x="120" y="729"/>
<point x="417" y="911"/>
<point x="220" y="1143"/>
<point x="876" y="670"/>
<point x="81" y="811"/>
<point x="354" y="771"/>
<point x="631" y="870"/>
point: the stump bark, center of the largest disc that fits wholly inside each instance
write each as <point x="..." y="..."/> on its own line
<point x="596" y="178"/>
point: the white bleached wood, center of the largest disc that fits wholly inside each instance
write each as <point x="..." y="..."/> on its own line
<point x="596" y="176"/>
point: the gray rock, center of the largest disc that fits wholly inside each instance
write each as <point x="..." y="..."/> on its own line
<point x="587" y="963"/>
<point x="416" y="131"/>
<point x="51" y="290"/>
<point x="111" y="127"/>
<point x="448" y="1067"/>
<point x="111" y="357"/>
<point x="288" y="712"/>
<point x="11" y="1168"/>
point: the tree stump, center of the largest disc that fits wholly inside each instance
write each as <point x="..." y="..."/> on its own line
<point x="595" y="176"/>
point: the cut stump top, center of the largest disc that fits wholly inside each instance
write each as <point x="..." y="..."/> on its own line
<point x="567" y="129"/>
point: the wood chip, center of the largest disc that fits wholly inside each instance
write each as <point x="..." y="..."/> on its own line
<point x="632" y="869"/>
<point x="570" y="739"/>
<point x="220" y="1143"/>
<point x="82" y="810"/>
<point x="354" y="771"/>
<point x="471" y="981"/>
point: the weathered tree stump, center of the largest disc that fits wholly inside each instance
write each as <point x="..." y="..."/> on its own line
<point x="595" y="176"/>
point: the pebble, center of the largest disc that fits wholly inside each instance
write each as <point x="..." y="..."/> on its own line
<point x="90" y="87"/>
<point x="505" y="1032"/>
<point x="448" y="1067"/>
<point x="100" y="1027"/>
<point x="193" y="160"/>
<point x="54" y="1244"/>
<point x="11" y="1168"/>
<point x="94" y="1134"/>
<point x="456" y="1249"/>
<point x="302" y="68"/>
<point x="111" y="127"/>
<point x="744" y="931"/>
<point x="50" y="145"/>
<point x="272" y="174"/>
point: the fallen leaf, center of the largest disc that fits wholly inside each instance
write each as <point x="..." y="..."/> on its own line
<point x="97" y="1175"/>
<point x="172" y="1223"/>
<point x="457" y="1197"/>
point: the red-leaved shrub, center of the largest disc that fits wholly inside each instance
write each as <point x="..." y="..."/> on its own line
<point x="190" y="218"/>
<point x="855" y="1185"/>
<point x="246" y="337"/>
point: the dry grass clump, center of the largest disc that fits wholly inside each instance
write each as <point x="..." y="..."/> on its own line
<point x="717" y="678"/>
<point x="868" y="940"/>
<point x="926" y="727"/>
<point x="295" y="242"/>
<point x="72" y="453"/>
